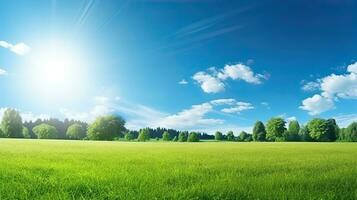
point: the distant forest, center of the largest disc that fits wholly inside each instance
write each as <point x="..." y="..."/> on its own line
<point x="112" y="127"/>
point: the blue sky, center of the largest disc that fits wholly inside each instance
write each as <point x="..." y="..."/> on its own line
<point x="193" y="65"/>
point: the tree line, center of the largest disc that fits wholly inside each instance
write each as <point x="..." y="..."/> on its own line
<point x="112" y="127"/>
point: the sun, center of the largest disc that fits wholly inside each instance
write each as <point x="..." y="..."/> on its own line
<point x="58" y="70"/>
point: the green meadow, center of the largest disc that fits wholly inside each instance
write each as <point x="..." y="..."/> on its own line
<point x="58" y="169"/>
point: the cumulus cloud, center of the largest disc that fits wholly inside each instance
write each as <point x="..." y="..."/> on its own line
<point x="214" y="81"/>
<point x="240" y="72"/>
<point x="317" y="104"/>
<point x="3" y="72"/>
<point x="183" y="82"/>
<point x="333" y="87"/>
<point x="19" y="48"/>
<point x="209" y="83"/>
<point x="352" y="68"/>
<point x="193" y="117"/>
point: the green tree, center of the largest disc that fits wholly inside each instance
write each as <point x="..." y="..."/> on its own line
<point x="242" y="136"/>
<point x="230" y="136"/>
<point x="144" y="135"/>
<point x="319" y="130"/>
<point x="26" y="132"/>
<point x="174" y="139"/>
<point x="275" y="129"/>
<point x="76" y="131"/>
<point x="11" y="124"/>
<point x="182" y="137"/>
<point x="1" y="133"/>
<point x="193" y="137"/>
<point x="293" y="131"/>
<point x="259" y="133"/>
<point x="45" y="131"/>
<point x="129" y="136"/>
<point x="304" y="134"/>
<point x="106" y="128"/>
<point x="333" y="130"/>
<point x="351" y="132"/>
<point x="218" y="136"/>
<point x="166" y="136"/>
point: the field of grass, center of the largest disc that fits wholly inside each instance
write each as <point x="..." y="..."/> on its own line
<point x="45" y="169"/>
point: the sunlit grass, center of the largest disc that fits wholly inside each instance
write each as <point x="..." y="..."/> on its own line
<point x="49" y="169"/>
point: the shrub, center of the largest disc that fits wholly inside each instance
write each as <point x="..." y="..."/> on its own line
<point x="45" y="131"/>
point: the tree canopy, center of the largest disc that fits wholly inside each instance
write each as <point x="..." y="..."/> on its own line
<point x="166" y="136"/>
<point x="45" y="131"/>
<point x="193" y="137"/>
<point x="275" y="129"/>
<point x="11" y="124"/>
<point x="144" y="135"/>
<point x="293" y="131"/>
<point x="230" y="136"/>
<point x="106" y="128"/>
<point x="319" y="129"/>
<point x="76" y="131"/>
<point x="218" y="136"/>
<point x="259" y="133"/>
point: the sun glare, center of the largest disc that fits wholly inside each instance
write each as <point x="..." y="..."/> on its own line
<point x="57" y="69"/>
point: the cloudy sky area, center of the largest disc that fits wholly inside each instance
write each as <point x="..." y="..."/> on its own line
<point x="190" y="65"/>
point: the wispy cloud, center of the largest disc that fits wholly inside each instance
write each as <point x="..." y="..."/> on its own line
<point x="19" y="48"/>
<point x="3" y="72"/>
<point x="344" y="120"/>
<point x="183" y="82"/>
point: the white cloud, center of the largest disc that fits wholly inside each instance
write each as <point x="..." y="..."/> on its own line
<point x="333" y="88"/>
<point x="239" y="107"/>
<point x="214" y="81"/>
<point x="311" y="86"/>
<point x="209" y="83"/>
<point x="317" y="104"/>
<point x="240" y="72"/>
<point x="352" y="68"/>
<point x="20" y="48"/>
<point x="343" y="86"/>
<point x="3" y="72"/>
<point x="183" y="82"/>
<point x="193" y="117"/>
<point x="223" y="102"/>
<point x="292" y="118"/>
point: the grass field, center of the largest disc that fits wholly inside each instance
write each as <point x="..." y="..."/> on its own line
<point x="45" y="169"/>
